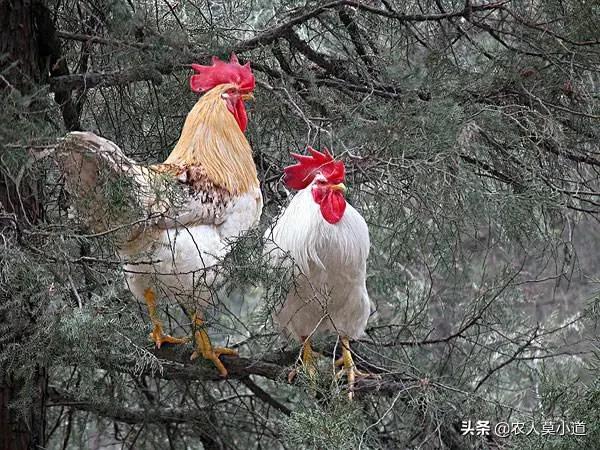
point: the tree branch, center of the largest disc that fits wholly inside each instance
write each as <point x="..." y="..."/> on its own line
<point x="175" y="365"/>
<point x="357" y="40"/>
<point x="100" y="40"/>
<point x="59" y="397"/>
<point x="149" y="72"/>
<point x="57" y="65"/>
<point x="264" y="396"/>
<point x="154" y="71"/>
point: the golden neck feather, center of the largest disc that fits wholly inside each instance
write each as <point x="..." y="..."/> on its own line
<point x="211" y="138"/>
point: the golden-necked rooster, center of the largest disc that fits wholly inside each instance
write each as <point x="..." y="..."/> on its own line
<point x="172" y="243"/>
<point x="328" y="241"/>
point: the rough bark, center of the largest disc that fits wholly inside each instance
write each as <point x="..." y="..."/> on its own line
<point x="22" y="67"/>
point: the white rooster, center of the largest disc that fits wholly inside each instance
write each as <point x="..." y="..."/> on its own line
<point x="329" y="243"/>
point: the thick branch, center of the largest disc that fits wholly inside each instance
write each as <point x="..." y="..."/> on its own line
<point x="465" y="12"/>
<point x="175" y="365"/>
<point x="357" y="40"/>
<point x="56" y="65"/>
<point x="58" y="397"/>
<point x="90" y="80"/>
<point x="265" y="396"/>
<point x="100" y="40"/>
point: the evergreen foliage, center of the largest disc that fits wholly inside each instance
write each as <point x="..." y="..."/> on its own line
<point x="470" y="134"/>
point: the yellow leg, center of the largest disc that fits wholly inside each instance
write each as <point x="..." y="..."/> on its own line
<point x="348" y="366"/>
<point x="157" y="334"/>
<point x="205" y="349"/>
<point x="307" y="358"/>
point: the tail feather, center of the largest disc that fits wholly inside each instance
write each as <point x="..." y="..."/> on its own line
<point x="109" y="189"/>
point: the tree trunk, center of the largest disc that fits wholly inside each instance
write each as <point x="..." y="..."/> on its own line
<point x="18" y="43"/>
<point x="23" y="65"/>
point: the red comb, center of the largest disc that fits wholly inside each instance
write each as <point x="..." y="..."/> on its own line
<point x="221" y="72"/>
<point x="303" y="172"/>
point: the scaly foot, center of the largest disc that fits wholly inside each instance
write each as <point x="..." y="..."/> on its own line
<point x="205" y="349"/>
<point x="157" y="335"/>
<point x="348" y="367"/>
<point x="159" y="338"/>
<point x="307" y="361"/>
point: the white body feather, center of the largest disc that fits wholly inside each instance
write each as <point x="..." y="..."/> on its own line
<point x="174" y="251"/>
<point x="183" y="256"/>
<point x="330" y="292"/>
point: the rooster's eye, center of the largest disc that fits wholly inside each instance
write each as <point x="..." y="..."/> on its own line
<point x="229" y="94"/>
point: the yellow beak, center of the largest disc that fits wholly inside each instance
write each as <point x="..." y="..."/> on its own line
<point x="339" y="187"/>
<point x="248" y="96"/>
